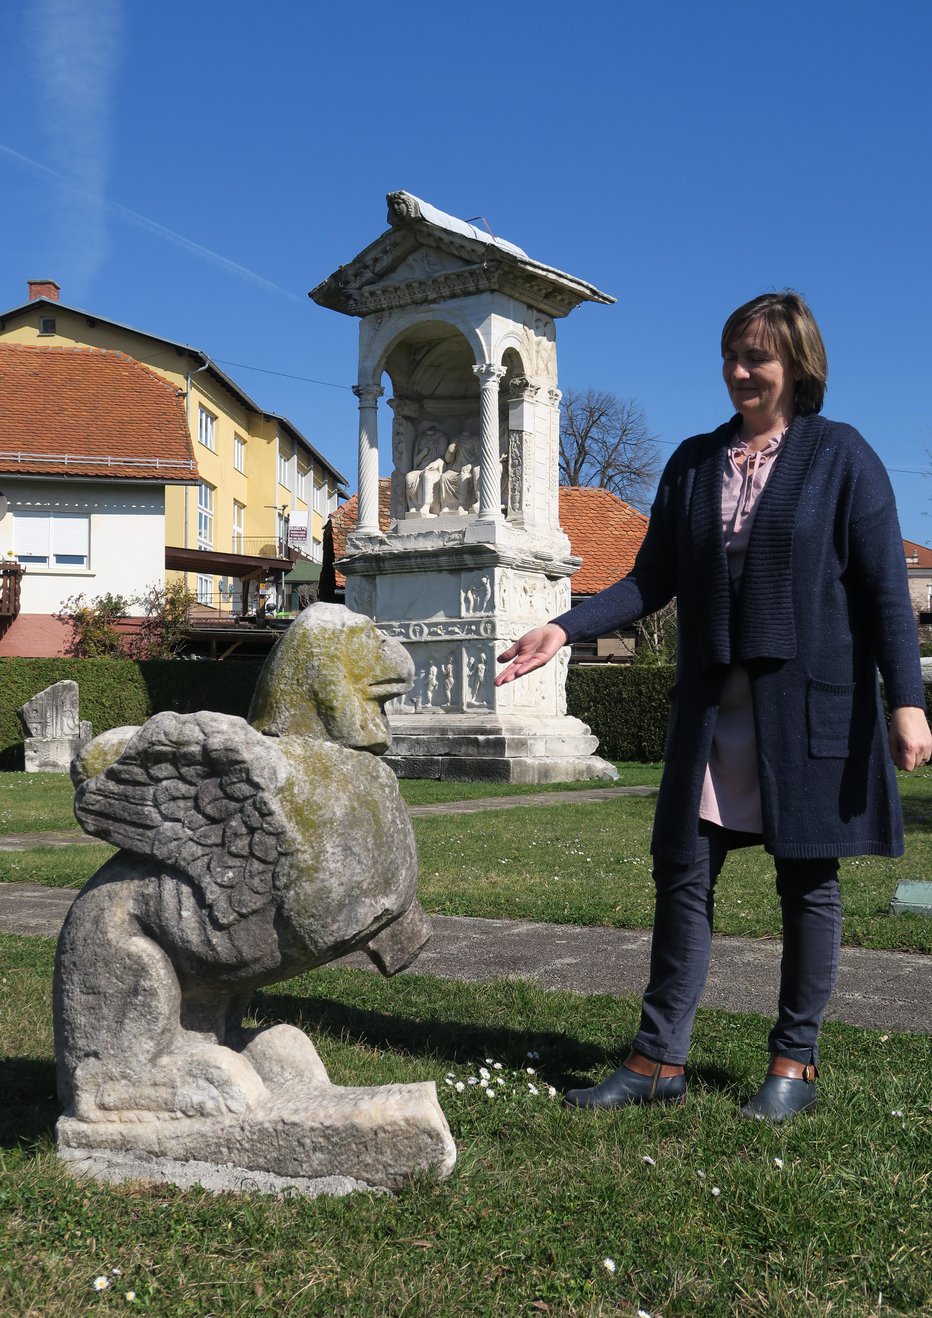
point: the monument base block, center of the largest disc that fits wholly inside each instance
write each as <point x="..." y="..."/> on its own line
<point x="496" y="749"/>
<point x="318" y="1139"/>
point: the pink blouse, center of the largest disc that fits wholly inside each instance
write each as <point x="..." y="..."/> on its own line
<point x="731" y="790"/>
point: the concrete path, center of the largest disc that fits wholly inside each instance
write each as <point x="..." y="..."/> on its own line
<point x="887" y="991"/>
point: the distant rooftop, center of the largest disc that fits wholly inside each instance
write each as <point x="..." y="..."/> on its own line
<point x="44" y="294"/>
<point x="92" y="413"/>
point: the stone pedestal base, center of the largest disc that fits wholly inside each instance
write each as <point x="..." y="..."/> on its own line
<point x="495" y="749"/>
<point x="54" y="754"/>
<point x="350" y="1138"/>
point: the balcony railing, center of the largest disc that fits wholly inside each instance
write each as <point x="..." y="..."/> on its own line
<point x="11" y="574"/>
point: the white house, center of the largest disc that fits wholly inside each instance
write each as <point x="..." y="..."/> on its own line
<point x="89" y="439"/>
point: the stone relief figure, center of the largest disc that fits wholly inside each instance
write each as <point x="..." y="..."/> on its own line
<point x="541" y="337"/>
<point x="449" y="679"/>
<point x="361" y="595"/>
<point x="476" y="668"/>
<point x="444" y="477"/>
<point x="477" y="598"/>
<point x="562" y="666"/>
<point x="402" y="430"/>
<point x="504" y="582"/>
<point x="248" y="852"/>
<point x="430" y="685"/>
<point x="422" y="482"/>
<point x="459" y="480"/>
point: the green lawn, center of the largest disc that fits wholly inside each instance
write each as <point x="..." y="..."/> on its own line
<point x="829" y="1215"/>
<point x="33" y="802"/>
<point x="571" y="864"/>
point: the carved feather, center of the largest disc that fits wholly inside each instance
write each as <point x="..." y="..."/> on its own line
<point x="198" y="792"/>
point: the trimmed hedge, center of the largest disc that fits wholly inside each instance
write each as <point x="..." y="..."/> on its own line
<point x="626" y="707"/>
<point x="113" y="692"/>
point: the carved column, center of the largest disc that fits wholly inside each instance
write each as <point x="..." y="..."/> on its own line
<point x="490" y="482"/>
<point x="554" y="395"/>
<point x="521" y="396"/>
<point x="368" y="515"/>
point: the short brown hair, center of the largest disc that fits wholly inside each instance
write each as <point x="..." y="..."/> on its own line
<point x="792" y="328"/>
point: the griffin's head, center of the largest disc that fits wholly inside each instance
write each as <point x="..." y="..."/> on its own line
<point x="330" y="676"/>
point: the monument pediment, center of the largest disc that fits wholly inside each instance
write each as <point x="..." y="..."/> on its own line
<point x="429" y="256"/>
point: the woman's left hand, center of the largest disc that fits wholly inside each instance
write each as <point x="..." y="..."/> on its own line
<point x="910" y="738"/>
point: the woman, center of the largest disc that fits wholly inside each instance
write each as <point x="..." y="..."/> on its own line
<point x="776" y="729"/>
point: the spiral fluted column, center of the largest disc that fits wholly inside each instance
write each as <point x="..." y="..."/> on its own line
<point x="368" y="510"/>
<point x="490" y="475"/>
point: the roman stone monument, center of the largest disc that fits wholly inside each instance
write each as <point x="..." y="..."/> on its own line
<point x="463" y="325"/>
<point x="249" y="852"/>
<point x="54" y="731"/>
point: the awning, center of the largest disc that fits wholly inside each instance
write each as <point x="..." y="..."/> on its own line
<point x="246" y="567"/>
<point x="303" y="570"/>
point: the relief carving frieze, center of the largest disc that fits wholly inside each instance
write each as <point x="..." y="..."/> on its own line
<point x="453" y="630"/>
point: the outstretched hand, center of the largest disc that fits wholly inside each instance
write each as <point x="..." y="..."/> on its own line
<point x="910" y="738"/>
<point x="532" y="650"/>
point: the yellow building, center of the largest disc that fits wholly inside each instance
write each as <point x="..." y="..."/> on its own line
<point x="262" y="486"/>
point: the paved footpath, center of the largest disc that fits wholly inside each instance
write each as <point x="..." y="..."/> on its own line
<point x="887" y="991"/>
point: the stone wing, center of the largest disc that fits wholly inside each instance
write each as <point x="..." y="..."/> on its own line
<point x="198" y="792"/>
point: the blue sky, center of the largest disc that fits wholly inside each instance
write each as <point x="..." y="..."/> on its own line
<point x="195" y="169"/>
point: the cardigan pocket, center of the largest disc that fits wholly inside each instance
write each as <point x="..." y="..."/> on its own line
<point x="828" y="712"/>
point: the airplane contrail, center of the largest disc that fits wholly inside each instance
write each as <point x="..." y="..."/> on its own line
<point x="151" y="226"/>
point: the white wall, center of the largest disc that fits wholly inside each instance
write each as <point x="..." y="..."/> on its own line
<point x="127" y="538"/>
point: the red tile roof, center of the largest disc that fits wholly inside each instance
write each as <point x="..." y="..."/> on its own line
<point x="917" y="555"/>
<point x="343" y="521"/>
<point x="92" y="413"/>
<point x="604" y="531"/>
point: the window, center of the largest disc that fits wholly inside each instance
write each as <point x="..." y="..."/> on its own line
<point x="46" y="324"/>
<point x="284" y="463"/>
<point x="206" y="424"/>
<point x="205" y="590"/>
<point x="239" y="527"/>
<point x="239" y="453"/>
<point x="281" y="530"/>
<point x="318" y="492"/>
<point x="205" y="515"/>
<point x="332" y="500"/>
<point x="52" y="539"/>
<point x="301" y="487"/>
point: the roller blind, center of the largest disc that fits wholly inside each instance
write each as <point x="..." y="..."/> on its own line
<point x="31" y="534"/>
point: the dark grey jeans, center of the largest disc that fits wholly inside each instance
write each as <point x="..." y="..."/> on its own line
<point x="682" y="944"/>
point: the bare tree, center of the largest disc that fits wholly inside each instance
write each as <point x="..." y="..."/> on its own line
<point x="605" y="441"/>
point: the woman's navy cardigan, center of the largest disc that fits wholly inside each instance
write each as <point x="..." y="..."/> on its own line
<point x="823" y="604"/>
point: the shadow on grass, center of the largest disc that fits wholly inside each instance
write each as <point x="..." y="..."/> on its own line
<point x="564" y="1062"/>
<point x="29" y="1107"/>
<point x="454" y="1042"/>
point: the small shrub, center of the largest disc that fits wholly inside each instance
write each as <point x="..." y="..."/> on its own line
<point x="94" y="634"/>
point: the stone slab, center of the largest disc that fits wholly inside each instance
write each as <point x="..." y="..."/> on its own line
<point x="378" y="1136"/>
<point x="217" y="1178"/>
<point x="912" y="898"/>
<point x="50" y="754"/>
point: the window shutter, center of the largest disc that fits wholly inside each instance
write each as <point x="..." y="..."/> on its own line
<point x="72" y="535"/>
<point x="31" y="534"/>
